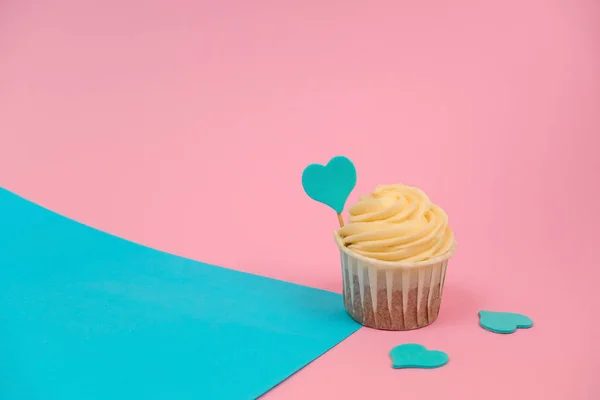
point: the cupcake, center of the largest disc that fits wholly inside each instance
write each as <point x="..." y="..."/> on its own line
<point x="395" y="249"/>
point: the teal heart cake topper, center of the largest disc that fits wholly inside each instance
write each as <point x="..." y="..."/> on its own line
<point x="417" y="356"/>
<point x="330" y="184"/>
<point x="503" y="322"/>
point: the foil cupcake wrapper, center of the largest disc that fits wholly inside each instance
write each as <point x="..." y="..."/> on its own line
<point x="400" y="298"/>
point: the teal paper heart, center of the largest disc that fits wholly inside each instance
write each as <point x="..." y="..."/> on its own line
<point x="503" y="322"/>
<point x="330" y="184"/>
<point x="417" y="356"/>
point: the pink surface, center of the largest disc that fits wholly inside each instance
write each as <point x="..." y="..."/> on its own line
<point x="186" y="125"/>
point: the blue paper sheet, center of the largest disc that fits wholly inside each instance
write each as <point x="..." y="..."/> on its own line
<point x="85" y="315"/>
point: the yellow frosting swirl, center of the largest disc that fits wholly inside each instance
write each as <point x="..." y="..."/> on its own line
<point x="397" y="223"/>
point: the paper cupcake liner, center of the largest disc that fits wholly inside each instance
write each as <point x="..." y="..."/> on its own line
<point x="392" y="297"/>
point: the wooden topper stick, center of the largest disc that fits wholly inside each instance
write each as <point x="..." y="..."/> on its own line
<point x="341" y="220"/>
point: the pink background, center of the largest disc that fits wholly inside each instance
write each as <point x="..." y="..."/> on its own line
<point x="185" y="125"/>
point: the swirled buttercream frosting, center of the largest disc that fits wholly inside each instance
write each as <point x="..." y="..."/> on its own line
<point x="397" y="223"/>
